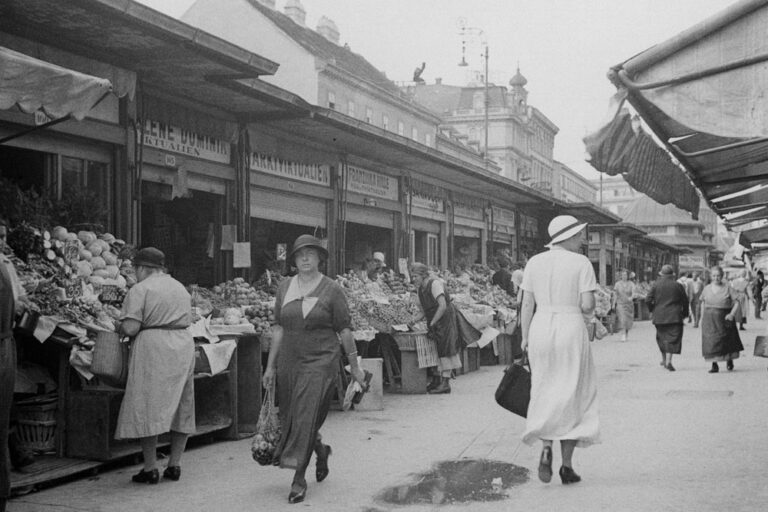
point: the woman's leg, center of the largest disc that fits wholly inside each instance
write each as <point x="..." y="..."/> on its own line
<point x="149" y="450"/>
<point x="545" y="461"/>
<point x="178" y="444"/>
<point x="567" y="446"/>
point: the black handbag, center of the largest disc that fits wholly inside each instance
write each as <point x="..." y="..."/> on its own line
<point x="514" y="390"/>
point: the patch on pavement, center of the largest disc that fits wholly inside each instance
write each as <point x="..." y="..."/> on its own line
<point x="458" y="481"/>
<point x="699" y="394"/>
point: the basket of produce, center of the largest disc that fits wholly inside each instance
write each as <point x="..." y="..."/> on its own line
<point x="36" y="424"/>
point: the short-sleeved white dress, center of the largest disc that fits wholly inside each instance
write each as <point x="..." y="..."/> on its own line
<point x="563" y="379"/>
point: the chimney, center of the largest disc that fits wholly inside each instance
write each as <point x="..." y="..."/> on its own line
<point x="438" y="81"/>
<point x="296" y="11"/>
<point x="328" y="29"/>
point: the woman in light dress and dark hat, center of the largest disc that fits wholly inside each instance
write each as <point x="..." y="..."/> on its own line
<point x="311" y="315"/>
<point x="623" y="303"/>
<point x="159" y="396"/>
<point x="559" y="284"/>
<point x="720" y="339"/>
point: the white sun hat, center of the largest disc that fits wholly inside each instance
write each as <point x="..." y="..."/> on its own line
<point x="564" y="227"/>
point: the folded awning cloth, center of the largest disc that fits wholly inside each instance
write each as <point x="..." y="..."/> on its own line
<point x="219" y="354"/>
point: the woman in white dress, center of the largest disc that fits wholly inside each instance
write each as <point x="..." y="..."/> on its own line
<point x="563" y="407"/>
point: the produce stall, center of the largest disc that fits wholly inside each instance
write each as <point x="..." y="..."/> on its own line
<point x="75" y="283"/>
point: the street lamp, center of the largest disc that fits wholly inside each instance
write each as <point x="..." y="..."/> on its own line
<point x="479" y="34"/>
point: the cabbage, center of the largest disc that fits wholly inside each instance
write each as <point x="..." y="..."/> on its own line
<point x="83" y="268"/>
<point x="103" y="273"/>
<point x="96" y="280"/>
<point x="85" y="255"/>
<point x="109" y="257"/>
<point x="60" y="233"/>
<point x="87" y="237"/>
<point x="113" y="270"/>
<point x="98" y="262"/>
<point x="95" y="248"/>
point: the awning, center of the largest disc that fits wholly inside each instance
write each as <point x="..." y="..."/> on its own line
<point x="702" y="93"/>
<point x="32" y="85"/>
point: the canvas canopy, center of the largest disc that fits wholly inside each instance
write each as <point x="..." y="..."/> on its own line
<point x="31" y="85"/>
<point x="703" y="95"/>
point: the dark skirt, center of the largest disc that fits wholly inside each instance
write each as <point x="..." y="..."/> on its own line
<point x="720" y="339"/>
<point x="669" y="337"/>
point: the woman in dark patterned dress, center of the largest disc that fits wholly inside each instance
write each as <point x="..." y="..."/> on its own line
<point x="311" y="316"/>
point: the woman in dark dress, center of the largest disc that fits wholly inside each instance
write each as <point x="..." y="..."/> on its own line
<point x="311" y="315"/>
<point x="720" y="339"/>
<point x="442" y="324"/>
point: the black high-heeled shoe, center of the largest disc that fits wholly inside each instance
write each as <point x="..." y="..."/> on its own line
<point x="321" y="466"/>
<point x="146" y="477"/>
<point x="172" y="473"/>
<point x="298" y="492"/>
<point x="714" y="368"/>
<point x="729" y="365"/>
<point x="568" y="475"/>
<point x="545" y="465"/>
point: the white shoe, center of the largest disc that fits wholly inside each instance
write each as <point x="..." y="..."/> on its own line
<point x="624" y="337"/>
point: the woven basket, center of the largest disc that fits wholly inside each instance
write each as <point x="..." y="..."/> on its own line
<point x="36" y="425"/>
<point x="110" y="359"/>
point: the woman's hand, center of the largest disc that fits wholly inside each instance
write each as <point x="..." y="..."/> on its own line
<point x="730" y="317"/>
<point x="524" y="345"/>
<point x="268" y="379"/>
<point x="359" y="375"/>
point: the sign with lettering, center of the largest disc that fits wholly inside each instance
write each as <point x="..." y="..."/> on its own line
<point x="185" y="142"/>
<point x="468" y="212"/>
<point x="308" y="173"/>
<point x="503" y="217"/>
<point x="691" y="260"/>
<point x="371" y="183"/>
<point x="434" y="205"/>
<point x="529" y="226"/>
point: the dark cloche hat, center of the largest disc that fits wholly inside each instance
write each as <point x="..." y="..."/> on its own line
<point x="667" y="270"/>
<point x="149" y="257"/>
<point x="308" y="241"/>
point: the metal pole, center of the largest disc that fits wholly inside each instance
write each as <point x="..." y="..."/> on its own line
<point x="487" y="102"/>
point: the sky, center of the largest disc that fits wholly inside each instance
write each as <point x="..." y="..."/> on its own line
<point x="563" y="47"/>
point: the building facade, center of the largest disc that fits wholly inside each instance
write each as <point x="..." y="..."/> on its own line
<point x="572" y="187"/>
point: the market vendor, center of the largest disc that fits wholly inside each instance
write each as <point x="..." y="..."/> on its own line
<point x="442" y="326"/>
<point x="377" y="267"/>
<point x="159" y="396"/>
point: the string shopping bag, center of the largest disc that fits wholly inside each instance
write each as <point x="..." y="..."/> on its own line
<point x="267" y="435"/>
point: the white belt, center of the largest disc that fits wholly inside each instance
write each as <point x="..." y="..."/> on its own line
<point x="559" y="309"/>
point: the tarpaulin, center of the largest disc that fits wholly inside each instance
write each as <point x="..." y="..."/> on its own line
<point x="33" y="85"/>
<point x="618" y="149"/>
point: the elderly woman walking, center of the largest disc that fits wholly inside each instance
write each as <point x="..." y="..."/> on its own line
<point x="720" y="339"/>
<point x="311" y="316"/>
<point x="623" y="304"/>
<point x="159" y="395"/>
<point x="560" y="285"/>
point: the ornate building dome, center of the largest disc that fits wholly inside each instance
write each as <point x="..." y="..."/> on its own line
<point x="518" y="80"/>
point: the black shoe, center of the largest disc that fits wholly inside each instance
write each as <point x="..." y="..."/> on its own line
<point x="568" y="475"/>
<point x="172" y="473"/>
<point x="714" y="368"/>
<point x="321" y="466"/>
<point x="433" y="383"/>
<point x="729" y="365"/>
<point x="670" y="367"/>
<point x="146" y="477"/>
<point x="298" y="492"/>
<point x="443" y="388"/>
<point x="545" y="465"/>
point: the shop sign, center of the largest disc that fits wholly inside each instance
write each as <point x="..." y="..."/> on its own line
<point x="529" y="226"/>
<point x="371" y="183"/>
<point x="435" y="205"/>
<point x="185" y="142"/>
<point x="468" y="212"/>
<point x="308" y="173"/>
<point x="691" y="260"/>
<point x="503" y="220"/>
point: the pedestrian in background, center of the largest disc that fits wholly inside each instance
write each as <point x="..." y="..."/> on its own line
<point x="740" y="285"/>
<point x="560" y="285"/>
<point x="757" y="293"/>
<point x="720" y="339"/>
<point x="697" y="286"/>
<point x="624" y="291"/>
<point x="159" y="396"/>
<point x="668" y="303"/>
<point x="503" y="277"/>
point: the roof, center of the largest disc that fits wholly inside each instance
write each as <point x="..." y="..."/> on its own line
<point x="699" y="92"/>
<point x="183" y="61"/>
<point x="446" y="99"/>
<point x="591" y="213"/>
<point x="644" y="211"/>
<point x="681" y="240"/>
<point x="344" y="58"/>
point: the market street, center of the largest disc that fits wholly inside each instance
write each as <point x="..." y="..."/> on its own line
<point x="686" y="440"/>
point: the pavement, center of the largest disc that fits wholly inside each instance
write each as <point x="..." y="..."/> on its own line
<point x="677" y="441"/>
